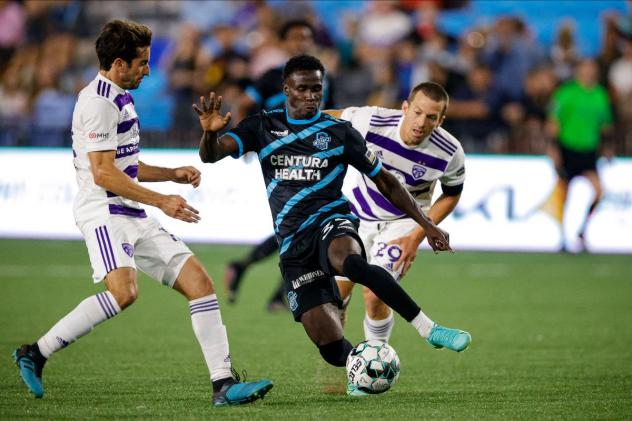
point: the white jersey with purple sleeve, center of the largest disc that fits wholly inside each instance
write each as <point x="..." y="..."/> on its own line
<point x="104" y="119"/>
<point x="439" y="157"/>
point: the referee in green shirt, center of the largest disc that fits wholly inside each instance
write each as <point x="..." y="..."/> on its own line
<point x="580" y="117"/>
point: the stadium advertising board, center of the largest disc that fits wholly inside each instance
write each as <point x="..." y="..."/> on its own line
<point x="499" y="208"/>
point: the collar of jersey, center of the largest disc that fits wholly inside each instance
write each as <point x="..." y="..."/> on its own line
<point x="308" y="121"/>
<point x="117" y="88"/>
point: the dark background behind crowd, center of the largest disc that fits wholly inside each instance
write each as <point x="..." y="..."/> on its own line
<point x="500" y="61"/>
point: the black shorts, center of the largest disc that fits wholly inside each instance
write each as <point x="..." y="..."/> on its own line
<point x="308" y="277"/>
<point x="575" y="163"/>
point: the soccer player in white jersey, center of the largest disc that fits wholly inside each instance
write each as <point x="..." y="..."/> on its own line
<point x="413" y="147"/>
<point x="119" y="235"/>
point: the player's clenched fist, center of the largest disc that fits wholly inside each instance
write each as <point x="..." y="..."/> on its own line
<point x="187" y="175"/>
<point x="176" y="207"/>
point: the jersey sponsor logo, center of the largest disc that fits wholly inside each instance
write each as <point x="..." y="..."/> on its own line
<point x="322" y="140"/>
<point x="307" y="278"/>
<point x="128" y="249"/>
<point x="418" y="172"/>
<point x="280" y="133"/>
<point x="298" y="167"/>
<point x="98" y="136"/>
<point x="292" y="300"/>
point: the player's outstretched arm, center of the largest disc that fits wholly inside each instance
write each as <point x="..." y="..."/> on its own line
<point x="181" y="175"/>
<point x="112" y="179"/>
<point x="392" y="189"/>
<point x="213" y="149"/>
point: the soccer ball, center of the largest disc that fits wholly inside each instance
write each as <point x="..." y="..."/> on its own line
<point x="372" y="367"/>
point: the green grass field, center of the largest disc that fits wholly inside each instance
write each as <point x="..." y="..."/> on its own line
<point x="552" y="339"/>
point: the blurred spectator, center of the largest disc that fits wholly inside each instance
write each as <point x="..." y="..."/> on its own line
<point x="52" y="111"/>
<point x="14" y="103"/>
<point x="564" y="52"/>
<point x="473" y="114"/>
<point x="620" y="78"/>
<point x="12" y="29"/>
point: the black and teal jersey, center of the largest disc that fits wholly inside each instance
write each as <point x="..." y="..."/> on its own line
<point x="304" y="163"/>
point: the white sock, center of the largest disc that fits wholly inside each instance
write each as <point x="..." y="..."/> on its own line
<point x="378" y="329"/>
<point x="423" y="324"/>
<point x="80" y="321"/>
<point x="211" y="334"/>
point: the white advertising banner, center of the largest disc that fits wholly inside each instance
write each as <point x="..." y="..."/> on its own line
<point x="499" y="208"/>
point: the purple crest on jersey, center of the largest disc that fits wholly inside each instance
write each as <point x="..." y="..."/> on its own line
<point x="129" y="249"/>
<point x="418" y="172"/>
<point x="322" y="140"/>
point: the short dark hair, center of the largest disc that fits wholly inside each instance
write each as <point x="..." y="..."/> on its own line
<point x="302" y="62"/>
<point x="294" y="23"/>
<point x="121" y="39"/>
<point x="433" y="91"/>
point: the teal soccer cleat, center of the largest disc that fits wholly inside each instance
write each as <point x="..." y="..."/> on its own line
<point x="355" y="391"/>
<point x="235" y="392"/>
<point x="445" y="337"/>
<point x="31" y="363"/>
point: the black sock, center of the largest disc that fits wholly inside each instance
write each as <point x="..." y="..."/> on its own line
<point x="336" y="353"/>
<point x="378" y="280"/>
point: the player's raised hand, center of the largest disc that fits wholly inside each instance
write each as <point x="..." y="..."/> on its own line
<point x="176" y="207"/>
<point x="438" y="239"/>
<point x="208" y="111"/>
<point x="187" y="175"/>
<point x="409" y="246"/>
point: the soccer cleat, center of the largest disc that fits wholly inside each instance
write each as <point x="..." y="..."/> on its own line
<point x="232" y="278"/>
<point x="355" y="391"/>
<point x="445" y="337"/>
<point x="31" y="363"/>
<point x="236" y="392"/>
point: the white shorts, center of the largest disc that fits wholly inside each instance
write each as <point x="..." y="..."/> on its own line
<point x="121" y="241"/>
<point x="377" y="235"/>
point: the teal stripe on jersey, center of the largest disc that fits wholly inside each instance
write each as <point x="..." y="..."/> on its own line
<point x="288" y="240"/>
<point x="304" y="192"/>
<point x="240" y="144"/>
<point x="332" y="152"/>
<point x="271" y="186"/>
<point x="294" y="136"/>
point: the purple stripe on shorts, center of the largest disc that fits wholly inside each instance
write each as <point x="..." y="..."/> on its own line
<point x="445" y="142"/>
<point x="106" y="261"/>
<point x="127" y="211"/>
<point x="126" y="125"/>
<point x="415" y="156"/>
<point x="382" y="202"/>
<point x="127" y="150"/>
<point x="122" y="100"/>
<point x="109" y="246"/>
<point x="364" y="205"/>
<point x="104" y="307"/>
<point x="105" y="250"/>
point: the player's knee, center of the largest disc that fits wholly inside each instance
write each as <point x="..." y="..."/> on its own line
<point x="335" y="353"/>
<point x="126" y="296"/>
<point x="354" y="267"/>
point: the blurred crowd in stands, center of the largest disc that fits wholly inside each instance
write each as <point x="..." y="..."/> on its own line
<point x="499" y="73"/>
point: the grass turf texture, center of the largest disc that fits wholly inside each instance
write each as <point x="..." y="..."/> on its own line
<point x="551" y="339"/>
